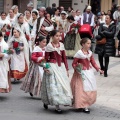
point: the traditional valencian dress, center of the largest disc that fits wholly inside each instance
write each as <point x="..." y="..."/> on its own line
<point x="72" y="41"/>
<point x="83" y="85"/>
<point x="5" y="84"/>
<point x="55" y="88"/>
<point x="19" y="63"/>
<point x="24" y="27"/>
<point x="32" y="82"/>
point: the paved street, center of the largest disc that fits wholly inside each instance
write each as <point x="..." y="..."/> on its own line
<point x="20" y="106"/>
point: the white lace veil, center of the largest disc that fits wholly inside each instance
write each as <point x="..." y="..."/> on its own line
<point x="23" y="39"/>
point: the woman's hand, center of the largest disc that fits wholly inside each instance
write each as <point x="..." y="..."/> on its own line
<point x="46" y="70"/>
<point x="21" y="48"/>
<point x="1" y="55"/>
<point x="72" y="29"/>
<point x="101" y="71"/>
<point x="12" y="51"/>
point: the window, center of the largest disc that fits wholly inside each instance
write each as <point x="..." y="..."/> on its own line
<point x="42" y="3"/>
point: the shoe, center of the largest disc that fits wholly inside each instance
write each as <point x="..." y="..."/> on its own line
<point x="58" y="111"/>
<point x="86" y="110"/>
<point x="45" y="106"/>
<point x="105" y="73"/>
<point x="31" y="94"/>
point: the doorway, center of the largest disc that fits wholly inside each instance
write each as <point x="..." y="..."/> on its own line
<point x="65" y="4"/>
<point x="96" y="6"/>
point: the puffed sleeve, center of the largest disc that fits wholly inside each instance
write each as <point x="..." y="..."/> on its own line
<point x="37" y="56"/>
<point x="34" y="57"/>
<point x="92" y="60"/>
<point x="64" y="59"/>
<point x="75" y="62"/>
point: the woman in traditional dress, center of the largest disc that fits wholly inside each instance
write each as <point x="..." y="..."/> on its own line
<point x="55" y="88"/>
<point x="72" y="38"/>
<point x="24" y="26"/>
<point x="32" y="81"/>
<point x="4" y="20"/>
<point x="19" y="62"/>
<point x="27" y="16"/>
<point x="5" y="25"/>
<point x="5" y="84"/>
<point x="11" y="17"/>
<point x="33" y="20"/>
<point x="83" y="82"/>
<point x="56" y="18"/>
<point x="15" y="9"/>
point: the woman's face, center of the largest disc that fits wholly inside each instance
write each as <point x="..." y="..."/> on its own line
<point x="41" y="13"/>
<point x="56" y="37"/>
<point x="57" y="12"/>
<point x="11" y="13"/>
<point x="73" y="13"/>
<point x="21" y="19"/>
<point x="43" y="43"/>
<point x="87" y="45"/>
<point x="109" y="13"/>
<point x="16" y="10"/>
<point x="107" y="19"/>
<point x="48" y="16"/>
<point x="102" y="13"/>
<point x="78" y="13"/>
<point x="16" y="33"/>
<point x="28" y="14"/>
<point x="34" y="16"/>
<point x="3" y="16"/>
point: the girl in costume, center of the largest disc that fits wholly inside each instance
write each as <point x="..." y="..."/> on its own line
<point x="55" y="88"/>
<point x="32" y="82"/>
<point x="5" y="84"/>
<point x="83" y="82"/>
<point x="20" y="58"/>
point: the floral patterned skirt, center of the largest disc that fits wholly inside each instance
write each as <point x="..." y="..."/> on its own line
<point x="77" y="46"/>
<point x="53" y="90"/>
<point x="32" y="81"/>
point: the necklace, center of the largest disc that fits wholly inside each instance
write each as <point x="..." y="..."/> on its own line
<point x="85" y="52"/>
<point x="56" y="45"/>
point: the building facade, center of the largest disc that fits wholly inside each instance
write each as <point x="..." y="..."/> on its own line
<point x="103" y="5"/>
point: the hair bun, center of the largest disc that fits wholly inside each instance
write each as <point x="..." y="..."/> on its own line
<point x="40" y="38"/>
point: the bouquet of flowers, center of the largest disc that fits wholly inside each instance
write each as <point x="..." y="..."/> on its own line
<point x="76" y="27"/>
<point x="16" y="47"/>
<point x="9" y="51"/>
<point x="79" y="70"/>
<point x="44" y="64"/>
